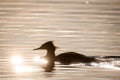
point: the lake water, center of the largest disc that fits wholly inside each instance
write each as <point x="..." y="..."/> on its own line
<point x="89" y="27"/>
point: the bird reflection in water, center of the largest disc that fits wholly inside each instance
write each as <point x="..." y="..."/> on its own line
<point x="44" y="63"/>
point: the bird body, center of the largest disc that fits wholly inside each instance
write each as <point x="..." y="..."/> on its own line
<point x="72" y="58"/>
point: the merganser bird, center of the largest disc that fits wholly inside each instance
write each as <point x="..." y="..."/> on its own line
<point x="63" y="58"/>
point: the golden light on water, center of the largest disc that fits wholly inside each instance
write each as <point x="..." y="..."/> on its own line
<point x="106" y="65"/>
<point x="20" y="66"/>
<point x="39" y="60"/>
<point x="23" y="68"/>
<point x="17" y="60"/>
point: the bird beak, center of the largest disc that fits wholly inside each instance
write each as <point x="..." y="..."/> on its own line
<point x="36" y="49"/>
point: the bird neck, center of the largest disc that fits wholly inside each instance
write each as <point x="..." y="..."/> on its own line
<point x="51" y="53"/>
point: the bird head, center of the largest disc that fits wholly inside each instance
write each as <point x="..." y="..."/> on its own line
<point x="48" y="46"/>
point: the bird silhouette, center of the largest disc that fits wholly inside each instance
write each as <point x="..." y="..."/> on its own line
<point x="63" y="58"/>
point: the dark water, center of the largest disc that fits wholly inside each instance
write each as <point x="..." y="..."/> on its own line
<point x="89" y="27"/>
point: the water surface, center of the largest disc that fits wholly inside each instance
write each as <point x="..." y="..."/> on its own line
<point x="90" y="27"/>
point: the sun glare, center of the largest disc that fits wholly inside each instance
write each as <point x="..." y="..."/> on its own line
<point x="37" y="59"/>
<point x="21" y="68"/>
<point x="17" y="60"/>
